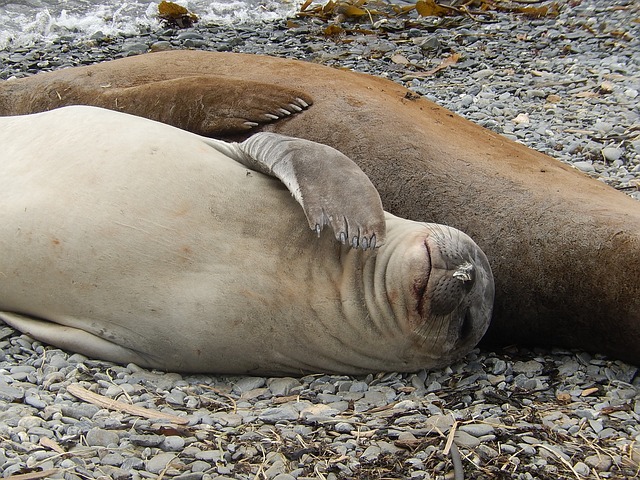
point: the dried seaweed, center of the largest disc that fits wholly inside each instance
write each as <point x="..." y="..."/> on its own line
<point x="354" y="10"/>
<point x="175" y="15"/>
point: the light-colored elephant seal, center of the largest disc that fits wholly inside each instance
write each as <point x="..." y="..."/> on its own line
<point x="133" y="241"/>
<point x="564" y="248"/>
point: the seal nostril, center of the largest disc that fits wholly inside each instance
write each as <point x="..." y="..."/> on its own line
<point x="465" y="273"/>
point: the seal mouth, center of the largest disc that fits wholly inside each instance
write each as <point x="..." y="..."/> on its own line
<point x="420" y="286"/>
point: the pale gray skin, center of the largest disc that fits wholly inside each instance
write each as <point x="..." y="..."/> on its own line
<point x="132" y="241"/>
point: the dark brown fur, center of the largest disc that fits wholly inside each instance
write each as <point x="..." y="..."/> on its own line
<point x="565" y="249"/>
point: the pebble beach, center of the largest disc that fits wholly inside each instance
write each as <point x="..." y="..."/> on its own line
<point x="567" y="85"/>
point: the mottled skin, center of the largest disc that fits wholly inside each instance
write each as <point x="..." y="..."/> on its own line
<point x="133" y="241"/>
<point x="565" y="249"/>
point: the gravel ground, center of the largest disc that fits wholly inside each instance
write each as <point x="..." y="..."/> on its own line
<point x="565" y="85"/>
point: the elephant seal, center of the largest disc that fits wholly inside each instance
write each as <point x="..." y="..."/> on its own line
<point x="564" y="249"/>
<point x="132" y="241"/>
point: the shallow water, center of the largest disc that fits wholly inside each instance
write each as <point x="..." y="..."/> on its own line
<point x="24" y="22"/>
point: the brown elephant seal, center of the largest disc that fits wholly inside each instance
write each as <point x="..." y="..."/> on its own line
<point x="564" y="249"/>
<point x="133" y="241"/>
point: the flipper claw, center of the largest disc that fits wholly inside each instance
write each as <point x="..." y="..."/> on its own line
<point x="354" y="242"/>
<point x="295" y="107"/>
<point x="251" y="124"/>
<point x="284" y="111"/>
<point x="364" y="243"/>
<point x="271" y="116"/>
<point x="318" y="229"/>
<point x="302" y="103"/>
<point x="343" y="238"/>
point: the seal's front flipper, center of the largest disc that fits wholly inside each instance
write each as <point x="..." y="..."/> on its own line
<point x="208" y="105"/>
<point x="329" y="186"/>
<point x="72" y="339"/>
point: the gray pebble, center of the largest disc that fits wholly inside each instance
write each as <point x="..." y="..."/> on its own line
<point x="282" y="386"/>
<point x="246" y="384"/>
<point x="199" y="466"/>
<point x="97" y="437"/>
<point x="9" y="393"/>
<point x="611" y="154"/>
<point x="79" y="411"/>
<point x="113" y="459"/>
<point x="279" y="414"/>
<point x="189" y="476"/>
<point x="465" y="439"/>
<point x="284" y="476"/>
<point x="371" y="453"/>
<point x="172" y="443"/>
<point x="585" y="166"/>
<point x="477" y="429"/>
<point x="146" y="440"/>
<point x="159" y="462"/>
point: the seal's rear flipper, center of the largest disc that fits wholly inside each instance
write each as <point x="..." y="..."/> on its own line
<point x="72" y="339"/>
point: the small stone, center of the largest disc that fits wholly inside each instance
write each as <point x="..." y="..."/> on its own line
<point x="582" y="469"/>
<point x="175" y="397"/>
<point x="276" y="469"/>
<point x="371" y="453"/>
<point x="601" y="463"/>
<point x="530" y="367"/>
<point x="359" y="387"/>
<point x="466" y="101"/>
<point x="132" y="463"/>
<point x="113" y="459"/>
<point x="611" y="154"/>
<point x="279" y="414"/>
<point x="246" y="384"/>
<point x="97" y="437"/>
<point x="115" y="473"/>
<point x="160" y="46"/>
<point x="281" y="387"/>
<point x="477" y="429"/>
<point x="189" y="476"/>
<point x="146" y="440"/>
<point x="499" y="367"/>
<point x="522" y="119"/>
<point x="172" y="443"/>
<point x="464" y="439"/>
<point x="427" y="44"/>
<point x="606" y="87"/>
<point x="159" y="462"/>
<point x="79" y="411"/>
<point x="584" y="166"/>
<point x="9" y="393"/>
<point x="387" y="448"/>
<point x="29" y="421"/>
<point x="343" y="427"/>
<point x="199" y="466"/>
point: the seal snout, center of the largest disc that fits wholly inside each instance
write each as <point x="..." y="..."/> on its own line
<point x="458" y="299"/>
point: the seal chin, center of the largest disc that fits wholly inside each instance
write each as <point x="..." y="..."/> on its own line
<point x="456" y="300"/>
